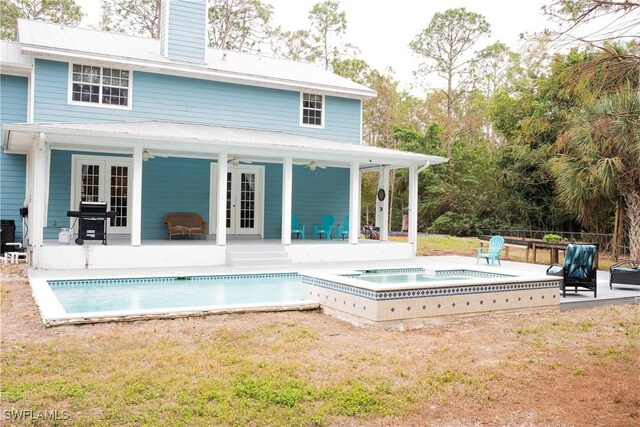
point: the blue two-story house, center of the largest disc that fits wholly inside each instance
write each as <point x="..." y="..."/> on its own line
<point x="158" y="126"/>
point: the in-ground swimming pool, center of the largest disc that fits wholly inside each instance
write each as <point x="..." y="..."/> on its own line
<point x="404" y="298"/>
<point x="421" y="276"/>
<point x="125" y="297"/>
<point x="385" y="297"/>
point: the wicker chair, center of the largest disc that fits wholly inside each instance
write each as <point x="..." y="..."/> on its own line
<point x="625" y="273"/>
<point x="185" y="224"/>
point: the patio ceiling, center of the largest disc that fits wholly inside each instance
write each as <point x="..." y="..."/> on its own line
<point x="196" y="140"/>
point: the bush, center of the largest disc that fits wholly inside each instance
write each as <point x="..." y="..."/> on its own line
<point x="456" y="224"/>
<point x="551" y="238"/>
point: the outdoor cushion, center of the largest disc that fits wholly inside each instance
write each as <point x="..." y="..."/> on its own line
<point x="625" y="273"/>
<point x="577" y="271"/>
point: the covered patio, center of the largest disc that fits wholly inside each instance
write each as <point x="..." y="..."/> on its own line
<point x="293" y="174"/>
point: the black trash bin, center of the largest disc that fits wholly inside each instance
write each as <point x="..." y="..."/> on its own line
<point x="8" y="234"/>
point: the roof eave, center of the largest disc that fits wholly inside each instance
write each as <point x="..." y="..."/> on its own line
<point x="191" y="70"/>
<point x="122" y="140"/>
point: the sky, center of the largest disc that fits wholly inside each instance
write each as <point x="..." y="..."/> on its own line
<point x="383" y="29"/>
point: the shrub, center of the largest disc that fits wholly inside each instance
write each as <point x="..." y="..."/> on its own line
<point x="551" y="238"/>
<point x="456" y="224"/>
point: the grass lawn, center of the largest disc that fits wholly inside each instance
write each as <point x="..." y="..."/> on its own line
<point x="305" y="368"/>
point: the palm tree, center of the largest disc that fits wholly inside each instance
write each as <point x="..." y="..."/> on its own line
<point x="599" y="161"/>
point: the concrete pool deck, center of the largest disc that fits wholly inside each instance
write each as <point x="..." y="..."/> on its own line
<point x="620" y="294"/>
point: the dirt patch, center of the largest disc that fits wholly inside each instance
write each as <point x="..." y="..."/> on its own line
<point x="580" y="367"/>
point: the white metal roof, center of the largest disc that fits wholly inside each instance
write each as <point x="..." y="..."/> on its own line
<point x="12" y="61"/>
<point x="43" y="39"/>
<point x="183" y="139"/>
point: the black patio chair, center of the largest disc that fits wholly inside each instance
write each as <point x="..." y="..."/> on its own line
<point x="578" y="270"/>
<point x="625" y="273"/>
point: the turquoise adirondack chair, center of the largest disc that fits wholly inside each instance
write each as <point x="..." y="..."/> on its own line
<point x="296" y="228"/>
<point x="324" y="228"/>
<point x="343" y="230"/>
<point x="493" y="251"/>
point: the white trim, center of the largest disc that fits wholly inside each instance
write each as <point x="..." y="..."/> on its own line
<point x="221" y="199"/>
<point x="213" y="197"/>
<point x="361" y="121"/>
<point x="165" y="25"/>
<point x="185" y="69"/>
<point x="70" y="100"/>
<point x="354" y="203"/>
<point x="31" y="105"/>
<point x="322" y="112"/>
<point x="413" y="208"/>
<point x="136" y="198"/>
<point x="205" y="139"/>
<point x="106" y="161"/>
<point x="287" y="196"/>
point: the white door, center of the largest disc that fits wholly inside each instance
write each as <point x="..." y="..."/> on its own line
<point x="104" y="179"/>
<point x="244" y="199"/>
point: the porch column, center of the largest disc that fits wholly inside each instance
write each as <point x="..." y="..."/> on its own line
<point x="354" y="203"/>
<point x="287" y="194"/>
<point x="136" y="197"/>
<point x="37" y="207"/>
<point x="382" y="207"/>
<point x="221" y="202"/>
<point x="413" y="207"/>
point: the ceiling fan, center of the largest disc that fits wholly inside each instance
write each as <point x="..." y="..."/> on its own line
<point x="235" y="161"/>
<point x="312" y="165"/>
<point x="146" y="155"/>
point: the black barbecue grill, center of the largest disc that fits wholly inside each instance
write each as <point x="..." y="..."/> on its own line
<point x="92" y="221"/>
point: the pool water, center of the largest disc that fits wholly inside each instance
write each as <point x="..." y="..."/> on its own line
<point x="418" y="277"/>
<point x="87" y="296"/>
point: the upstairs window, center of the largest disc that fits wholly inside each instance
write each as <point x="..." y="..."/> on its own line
<point x="312" y="110"/>
<point x="100" y="86"/>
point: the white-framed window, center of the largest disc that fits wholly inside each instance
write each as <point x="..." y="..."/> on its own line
<point x="99" y="86"/>
<point x="311" y="110"/>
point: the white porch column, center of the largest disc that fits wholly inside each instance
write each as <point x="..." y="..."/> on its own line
<point x="382" y="207"/>
<point x="221" y="202"/>
<point x="136" y="198"/>
<point x="287" y="194"/>
<point x="37" y="214"/>
<point x="413" y="207"/>
<point x="354" y="203"/>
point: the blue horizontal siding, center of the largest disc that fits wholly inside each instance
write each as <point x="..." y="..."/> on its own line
<point x="173" y="185"/>
<point x="318" y="193"/>
<point x="183" y="185"/>
<point x="13" y="109"/>
<point x="187" y="30"/>
<point x="171" y="98"/>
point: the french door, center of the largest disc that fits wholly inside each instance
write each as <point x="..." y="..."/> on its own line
<point x="104" y="179"/>
<point x="244" y="198"/>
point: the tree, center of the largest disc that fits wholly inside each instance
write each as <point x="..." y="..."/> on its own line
<point x="239" y="25"/>
<point x="138" y="17"/>
<point x="59" y="11"/>
<point x="599" y="160"/>
<point x="328" y="25"/>
<point x="493" y="67"/>
<point x="445" y="48"/>
<point x="295" y="45"/>
<point x="608" y="20"/>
